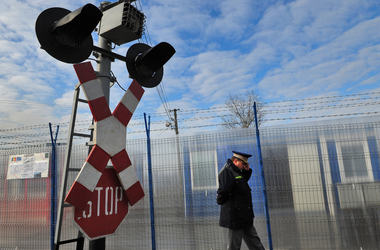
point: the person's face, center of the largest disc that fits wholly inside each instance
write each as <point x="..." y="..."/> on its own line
<point x="241" y="164"/>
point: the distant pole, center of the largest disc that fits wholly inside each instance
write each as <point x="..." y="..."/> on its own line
<point x="176" y="121"/>
<point x="263" y="179"/>
<point x="53" y="188"/>
<point x="151" y="192"/>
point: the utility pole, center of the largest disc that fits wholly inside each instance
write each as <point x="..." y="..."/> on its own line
<point x="179" y="184"/>
<point x="104" y="76"/>
<point x="175" y="121"/>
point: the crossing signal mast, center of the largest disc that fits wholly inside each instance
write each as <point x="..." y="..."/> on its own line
<point x="67" y="36"/>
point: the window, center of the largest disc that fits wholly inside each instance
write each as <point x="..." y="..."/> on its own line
<point x="355" y="165"/>
<point x="204" y="170"/>
<point x="354" y="161"/>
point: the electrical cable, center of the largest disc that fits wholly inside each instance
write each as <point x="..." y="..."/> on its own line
<point x="34" y="134"/>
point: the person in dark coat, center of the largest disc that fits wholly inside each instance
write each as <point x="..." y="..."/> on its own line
<point x="234" y="196"/>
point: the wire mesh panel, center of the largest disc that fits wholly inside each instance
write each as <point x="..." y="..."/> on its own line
<point x="24" y="206"/>
<point x="322" y="185"/>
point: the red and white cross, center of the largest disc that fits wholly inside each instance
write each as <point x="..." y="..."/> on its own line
<point x="109" y="139"/>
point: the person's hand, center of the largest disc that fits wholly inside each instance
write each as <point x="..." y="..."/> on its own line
<point x="246" y="167"/>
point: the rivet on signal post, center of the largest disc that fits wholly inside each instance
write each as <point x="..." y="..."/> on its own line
<point x="66" y="35"/>
<point x="145" y="63"/>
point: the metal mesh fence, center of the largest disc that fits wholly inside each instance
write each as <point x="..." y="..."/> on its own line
<point x="322" y="185"/>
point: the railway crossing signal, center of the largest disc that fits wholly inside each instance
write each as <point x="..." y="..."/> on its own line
<point x="109" y="139"/>
<point x="67" y="36"/>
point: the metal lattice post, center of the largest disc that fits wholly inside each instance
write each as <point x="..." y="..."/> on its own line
<point x="263" y="180"/>
<point x="151" y="191"/>
<point x="53" y="209"/>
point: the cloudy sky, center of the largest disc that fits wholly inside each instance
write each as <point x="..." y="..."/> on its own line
<point x="283" y="50"/>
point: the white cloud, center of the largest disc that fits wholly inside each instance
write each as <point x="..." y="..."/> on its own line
<point x="338" y="63"/>
<point x="283" y="49"/>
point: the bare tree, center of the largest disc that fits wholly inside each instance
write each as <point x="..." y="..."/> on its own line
<point x="241" y="110"/>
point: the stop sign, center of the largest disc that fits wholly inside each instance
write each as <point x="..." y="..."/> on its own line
<point x="106" y="209"/>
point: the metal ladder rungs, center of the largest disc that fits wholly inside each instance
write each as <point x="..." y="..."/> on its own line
<point x="82" y="100"/>
<point x="74" y="169"/>
<point x="79" y="241"/>
<point x="67" y="205"/>
<point x="82" y="135"/>
<point x="69" y="241"/>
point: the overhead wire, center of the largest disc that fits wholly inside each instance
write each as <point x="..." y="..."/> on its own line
<point x="324" y="97"/>
<point x="160" y="88"/>
<point x="221" y="110"/>
<point x="211" y="117"/>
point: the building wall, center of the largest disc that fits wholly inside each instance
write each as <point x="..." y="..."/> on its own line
<point x="306" y="178"/>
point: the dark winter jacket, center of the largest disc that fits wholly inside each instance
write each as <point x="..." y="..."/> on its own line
<point x="234" y="196"/>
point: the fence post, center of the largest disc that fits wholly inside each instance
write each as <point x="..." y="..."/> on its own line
<point x="53" y="204"/>
<point x="263" y="179"/>
<point x="151" y="202"/>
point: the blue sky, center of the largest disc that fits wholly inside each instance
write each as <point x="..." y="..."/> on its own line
<point x="284" y="50"/>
